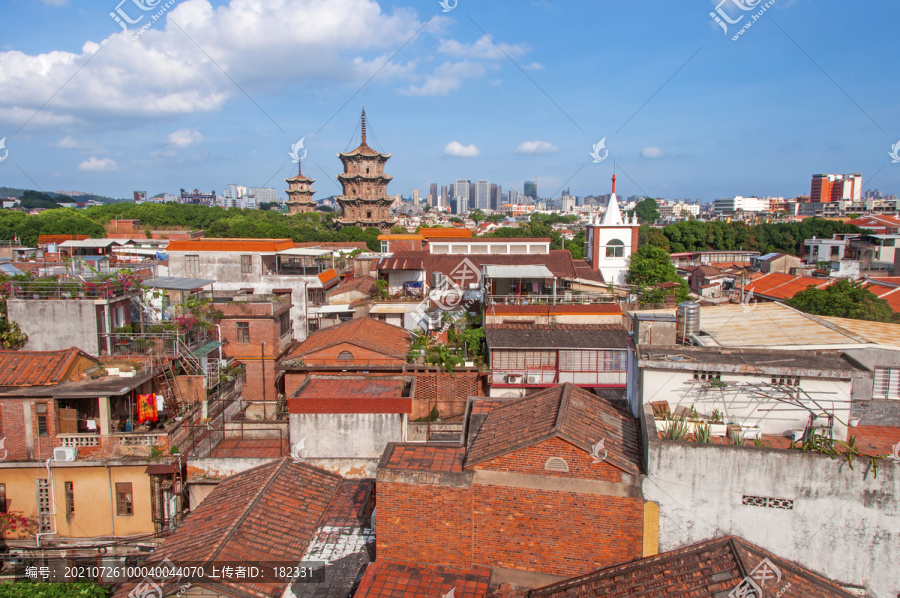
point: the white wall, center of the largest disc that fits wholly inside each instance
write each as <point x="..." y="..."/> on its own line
<point x="346" y="435"/>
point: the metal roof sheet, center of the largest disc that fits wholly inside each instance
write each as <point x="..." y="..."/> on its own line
<point x="176" y="283"/>
<point x="519" y="271"/>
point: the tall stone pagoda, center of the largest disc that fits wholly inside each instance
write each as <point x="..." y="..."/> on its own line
<point x="365" y="202"/>
<point x="300" y="193"/>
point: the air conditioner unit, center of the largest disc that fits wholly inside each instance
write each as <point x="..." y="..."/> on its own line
<point x="533" y="380"/>
<point x="513" y="379"/>
<point x="65" y="453"/>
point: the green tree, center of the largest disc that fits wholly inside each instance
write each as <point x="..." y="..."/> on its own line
<point x="495" y="218"/>
<point x="647" y="211"/>
<point x="843" y="299"/>
<point x="650" y="265"/>
<point x="399" y="230"/>
<point x="477" y="216"/>
<point x="30" y="589"/>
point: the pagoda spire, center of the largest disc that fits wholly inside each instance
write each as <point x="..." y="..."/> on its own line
<point x="364" y="126"/>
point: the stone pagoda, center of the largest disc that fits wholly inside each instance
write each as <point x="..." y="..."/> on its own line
<point x="365" y="202"/>
<point x="300" y="193"/>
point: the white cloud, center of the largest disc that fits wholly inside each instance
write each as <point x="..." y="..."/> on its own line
<point x="55" y="2"/>
<point x="536" y="147"/>
<point x="652" y="152"/>
<point x="67" y="143"/>
<point x="458" y="150"/>
<point x="534" y="66"/>
<point x="185" y="137"/>
<point x="484" y="48"/>
<point x="446" y="78"/>
<point x="93" y="164"/>
<point x="163" y="73"/>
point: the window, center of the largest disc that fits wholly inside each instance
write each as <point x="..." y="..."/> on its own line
<point x="192" y="264"/>
<point x="124" y="503"/>
<point x="345" y="355"/>
<point x="246" y="264"/>
<point x="70" y="499"/>
<point x="556" y="464"/>
<point x="368" y="215"/>
<point x="887" y="383"/>
<point x="243" y="332"/>
<point x="43" y="504"/>
<point x="615" y="248"/>
<point x="384" y="247"/>
<point x="41" y="410"/>
<point x="2" y="498"/>
<point x="284" y="323"/>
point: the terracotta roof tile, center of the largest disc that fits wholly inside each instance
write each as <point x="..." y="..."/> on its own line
<point x="36" y="368"/>
<point x="445" y="233"/>
<point x="388" y="579"/>
<point x="711" y="568"/>
<point x="370" y="388"/>
<point x="568" y="412"/>
<point x="426" y="457"/>
<point x="777" y="285"/>
<point x="252" y="245"/>
<point x="362" y="284"/>
<point x="328" y="276"/>
<point x="368" y="333"/>
<point x="555" y="336"/>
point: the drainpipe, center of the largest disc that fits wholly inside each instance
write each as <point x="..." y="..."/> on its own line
<point x="52" y="513"/>
<point x="219" y="338"/>
<point x="112" y="505"/>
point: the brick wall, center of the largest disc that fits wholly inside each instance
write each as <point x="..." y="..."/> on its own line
<point x="256" y="358"/>
<point x="253" y="383"/>
<point x="361" y="356"/>
<point x="531" y="460"/>
<point x="555" y="533"/>
<point x="446" y="391"/>
<point x="13" y="413"/>
<point x="424" y="524"/>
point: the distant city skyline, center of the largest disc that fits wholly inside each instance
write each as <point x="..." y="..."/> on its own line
<point x="687" y="112"/>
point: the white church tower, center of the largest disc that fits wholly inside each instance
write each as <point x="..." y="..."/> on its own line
<point x="611" y="242"/>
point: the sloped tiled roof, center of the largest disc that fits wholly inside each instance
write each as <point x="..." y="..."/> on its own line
<point x="705" y="570"/>
<point x="567" y="412"/>
<point x="251" y="245"/>
<point x="583" y="270"/>
<point x="777" y="285"/>
<point x="328" y="277"/>
<point x="266" y="514"/>
<point x="556" y="336"/>
<point x="362" y="284"/>
<point x="363" y="332"/>
<point x="36" y="368"/>
<point x="445" y="233"/>
<point x="388" y="579"/>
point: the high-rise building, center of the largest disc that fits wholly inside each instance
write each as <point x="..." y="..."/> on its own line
<point x="415" y="197"/>
<point x="461" y="194"/>
<point x="300" y="193"/>
<point x="496" y="196"/>
<point x="365" y="201"/>
<point x="264" y="194"/>
<point x="531" y="190"/>
<point x="483" y="195"/>
<point x="513" y="197"/>
<point x="444" y="201"/>
<point x="835" y="187"/>
<point x="433" y="192"/>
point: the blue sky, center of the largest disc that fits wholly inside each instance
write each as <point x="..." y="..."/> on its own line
<point x="218" y="92"/>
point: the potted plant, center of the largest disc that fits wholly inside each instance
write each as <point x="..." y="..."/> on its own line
<point x="717" y="425"/>
<point x="751" y="432"/>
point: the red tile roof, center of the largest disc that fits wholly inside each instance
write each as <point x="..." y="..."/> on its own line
<point x="37" y="368"/>
<point x="426" y="457"/>
<point x="250" y="448"/>
<point x="362" y="284"/>
<point x="388" y="579"/>
<point x="890" y="294"/>
<point x="485" y="406"/>
<point x="881" y="224"/>
<point x="367" y="333"/>
<point x="334" y="244"/>
<point x="779" y="286"/>
<point x="711" y="568"/>
<point x="251" y="245"/>
<point x="567" y="412"/>
<point x="266" y="514"/>
<point x="445" y="233"/>
<point x="583" y="270"/>
<point x="328" y="276"/>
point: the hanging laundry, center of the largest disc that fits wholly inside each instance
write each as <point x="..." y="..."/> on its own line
<point x="147" y="411"/>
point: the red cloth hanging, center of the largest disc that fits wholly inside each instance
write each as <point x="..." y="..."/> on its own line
<point x="147" y="408"/>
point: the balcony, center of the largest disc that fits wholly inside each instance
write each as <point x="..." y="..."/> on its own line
<point x="54" y="289"/>
<point x="127" y="444"/>
<point x="562" y="298"/>
<point x="170" y="342"/>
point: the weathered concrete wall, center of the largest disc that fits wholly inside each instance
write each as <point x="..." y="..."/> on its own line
<point x="348" y="468"/>
<point x="346" y="435"/>
<point x="844" y="524"/>
<point x="219" y="469"/>
<point x="55" y="324"/>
